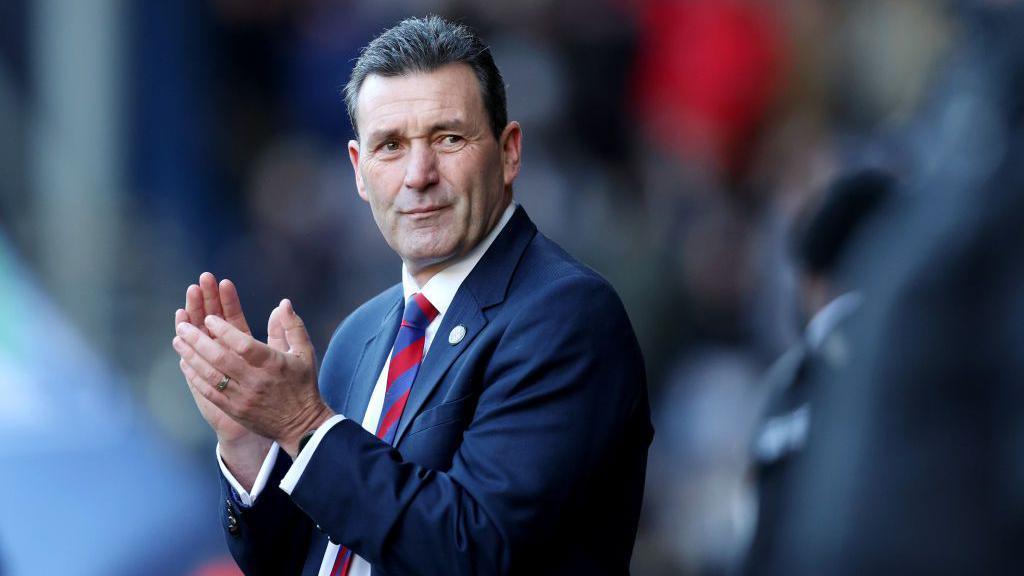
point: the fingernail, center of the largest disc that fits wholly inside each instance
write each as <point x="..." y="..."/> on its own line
<point x="211" y="321"/>
<point x="183" y="328"/>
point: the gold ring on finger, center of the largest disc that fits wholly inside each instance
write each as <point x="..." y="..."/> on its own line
<point x="223" y="384"/>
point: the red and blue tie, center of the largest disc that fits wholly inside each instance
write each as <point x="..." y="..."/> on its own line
<point x="406" y="357"/>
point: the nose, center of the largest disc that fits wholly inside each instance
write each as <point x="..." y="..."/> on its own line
<point x="421" y="171"/>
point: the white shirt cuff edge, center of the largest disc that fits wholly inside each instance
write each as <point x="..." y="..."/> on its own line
<point x="249" y="498"/>
<point x="291" y="479"/>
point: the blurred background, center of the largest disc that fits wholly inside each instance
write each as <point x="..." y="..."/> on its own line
<point x="675" y="146"/>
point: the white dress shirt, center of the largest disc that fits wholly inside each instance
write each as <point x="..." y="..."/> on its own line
<point x="440" y="290"/>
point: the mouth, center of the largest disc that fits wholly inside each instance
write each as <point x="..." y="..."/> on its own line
<point x="423" y="211"/>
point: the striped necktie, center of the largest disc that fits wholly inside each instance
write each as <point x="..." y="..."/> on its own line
<point x="406" y="357"/>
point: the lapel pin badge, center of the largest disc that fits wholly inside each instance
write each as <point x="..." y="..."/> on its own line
<point x="457" y="334"/>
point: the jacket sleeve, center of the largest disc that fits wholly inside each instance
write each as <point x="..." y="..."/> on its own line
<point x="557" y="393"/>
<point x="272" y="536"/>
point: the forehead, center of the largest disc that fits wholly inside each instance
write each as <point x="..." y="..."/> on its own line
<point x="451" y="92"/>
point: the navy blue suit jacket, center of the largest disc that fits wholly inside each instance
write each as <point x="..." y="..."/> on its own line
<point x="522" y="448"/>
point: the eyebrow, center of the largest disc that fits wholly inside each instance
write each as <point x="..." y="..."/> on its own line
<point x="381" y="135"/>
<point x="442" y="126"/>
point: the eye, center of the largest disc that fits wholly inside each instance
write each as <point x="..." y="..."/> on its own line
<point x="389" y="146"/>
<point x="452" y="139"/>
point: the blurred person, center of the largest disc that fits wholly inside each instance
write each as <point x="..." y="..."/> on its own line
<point x="821" y="240"/>
<point x="706" y="73"/>
<point x="914" y="465"/>
<point x="516" y="443"/>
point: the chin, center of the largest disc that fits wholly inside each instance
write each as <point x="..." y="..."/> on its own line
<point x="426" y="254"/>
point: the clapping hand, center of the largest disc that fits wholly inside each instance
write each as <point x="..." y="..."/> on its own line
<point x="242" y="386"/>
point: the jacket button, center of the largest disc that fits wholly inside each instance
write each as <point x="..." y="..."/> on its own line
<point x="232" y="519"/>
<point x="232" y="525"/>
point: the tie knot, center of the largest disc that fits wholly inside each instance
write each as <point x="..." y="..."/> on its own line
<point x="419" y="312"/>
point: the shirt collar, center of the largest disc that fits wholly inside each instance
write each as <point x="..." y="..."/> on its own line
<point x="441" y="288"/>
<point x="825" y="321"/>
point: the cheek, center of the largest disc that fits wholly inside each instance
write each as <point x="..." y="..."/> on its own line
<point x="381" y="186"/>
<point x="466" y="176"/>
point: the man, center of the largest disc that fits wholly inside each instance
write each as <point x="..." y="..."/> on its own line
<point x="488" y="415"/>
<point x="852" y="205"/>
<point x="916" y="460"/>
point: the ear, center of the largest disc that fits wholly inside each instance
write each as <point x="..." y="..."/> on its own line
<point x="353" y="155"/>
<point x="511" y="151"/>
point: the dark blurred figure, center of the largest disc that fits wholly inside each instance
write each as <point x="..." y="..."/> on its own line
<point x="915" y="459"/>
<point x="821" y="241"/>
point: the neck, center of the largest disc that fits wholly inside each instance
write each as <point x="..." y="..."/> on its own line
<point x="423" y="275"/>
<point x="422" y="272"/>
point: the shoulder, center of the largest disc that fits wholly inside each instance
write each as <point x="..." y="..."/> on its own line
<point x="553" y="296"/>
<point x="562" y="323"/>
<point x="548" y="274"/>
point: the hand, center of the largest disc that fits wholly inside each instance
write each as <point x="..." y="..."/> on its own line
<point x="209" y="299"/>
<point x="272" y="392"/>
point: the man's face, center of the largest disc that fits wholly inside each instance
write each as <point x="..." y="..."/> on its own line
<point x="428" y="164"/>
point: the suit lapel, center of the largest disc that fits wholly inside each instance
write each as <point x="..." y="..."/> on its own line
<point x="463" y="311"/>
<point x="375" y="352"/>
<point x="484" y="287"/>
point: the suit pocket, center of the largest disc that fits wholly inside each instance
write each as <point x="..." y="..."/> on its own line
<point x="452" y="411"/>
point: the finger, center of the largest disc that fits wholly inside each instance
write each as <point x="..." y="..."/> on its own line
<point x="210" y="358"/>
<point x="251" y="350"/>
<point x="195" y="384"/>
<point x="211" y="295"/>
<point x="198" y="368"/>
<point x="201" y="389"/>
<point x="232" y="306"/>
<point x="194" y="306"/>
<point x="275" y="331"/>
<point x="180" y="316"/>
<point x="191" y="377"/>
<point x="198" y="377"/>
<point x="295" y="330"/>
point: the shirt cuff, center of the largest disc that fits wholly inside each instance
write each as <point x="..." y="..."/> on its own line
<point x="291" y="479"/>
<point x="247" y="499"/>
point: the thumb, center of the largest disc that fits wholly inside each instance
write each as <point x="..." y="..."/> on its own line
<point x="275" y="331"/>
<point x="295" y="330"/>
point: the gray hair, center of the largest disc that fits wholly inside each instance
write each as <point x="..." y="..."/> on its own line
<point x="424" y="45"/>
